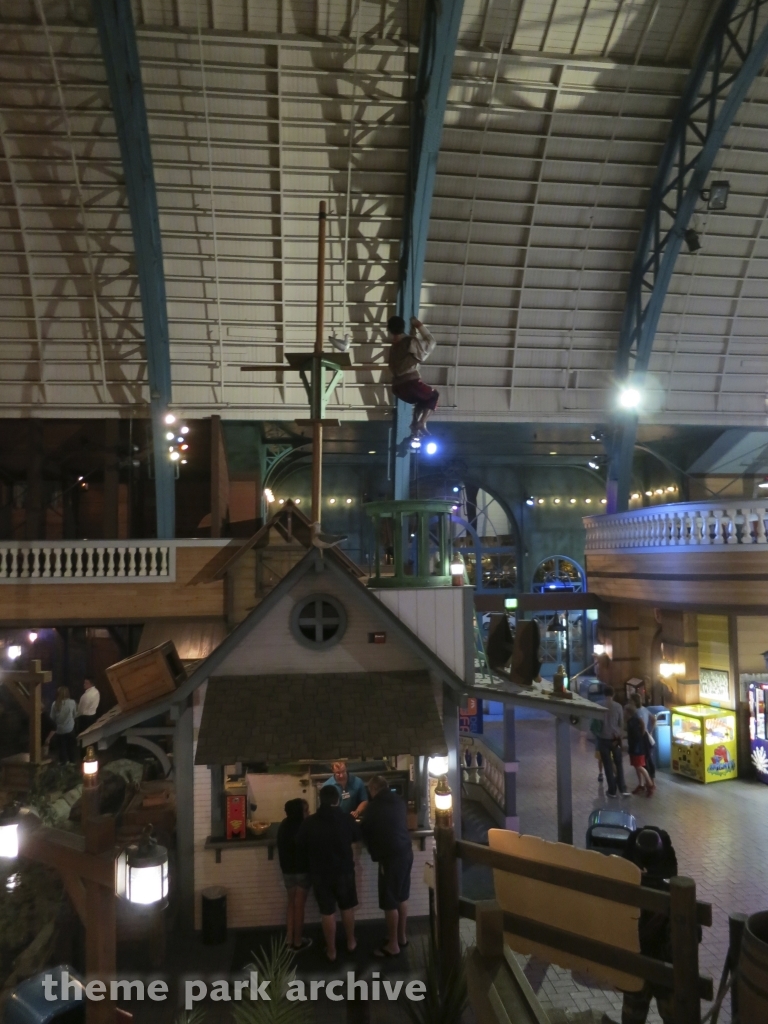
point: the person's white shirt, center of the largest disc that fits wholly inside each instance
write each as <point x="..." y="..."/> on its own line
<point x="89" y="702"/>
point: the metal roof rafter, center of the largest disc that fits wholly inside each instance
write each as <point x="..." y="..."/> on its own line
<point x="685" y="162"/>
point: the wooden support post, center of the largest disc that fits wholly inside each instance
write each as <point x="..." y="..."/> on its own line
<point x="447" y="900"/>
<point x="564" y="794"/>
<point x="26" y="689"/>
<point x="318" y="375"/>
<point x="736" y="925"/>
<point x="489" y="928"/>
<point x="685" y="950"/>
<point x="183" y="774"/>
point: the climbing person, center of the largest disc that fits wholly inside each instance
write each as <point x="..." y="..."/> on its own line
<point x="407" y="351"/>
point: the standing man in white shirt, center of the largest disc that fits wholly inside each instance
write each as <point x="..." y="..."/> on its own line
<point x="87" y="706"/>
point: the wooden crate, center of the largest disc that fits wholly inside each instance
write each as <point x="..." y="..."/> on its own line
<point x="147" y="676"/>
<point x="17" y="773"/>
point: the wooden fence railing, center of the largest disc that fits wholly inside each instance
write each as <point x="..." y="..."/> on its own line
<point x="686" y="915"/>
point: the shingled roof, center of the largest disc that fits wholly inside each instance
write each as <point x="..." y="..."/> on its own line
<point x="284" y="718"/>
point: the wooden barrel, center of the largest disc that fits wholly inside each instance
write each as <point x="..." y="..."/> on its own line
<point x="753" y="970"/>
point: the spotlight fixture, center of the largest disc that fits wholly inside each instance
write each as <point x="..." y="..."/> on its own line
<point x="14" y="652"/>
<point x="331" y="501"/>
<point x="636" y="495"/>
<point x="670" y="489"/>
<point x="297" y="501"/>
<point x="716" y="196"/>
<point x="587" y="501"/>
<point x="348" y="501"/>
<point x="170" y="419"/>
<point x="541" y="501"/>
<point x="184" y="447"/>
<point x="454" y="508"/>
<point x="185" y="430"/>
<point x="659" y="490"/>
<point x="80" y="479"/>
<point x="169" y="436"/>
<point x="281" y="501"/>
<point x="32" y="637"/>
<point x="532" y="501"/>
<point x="603" y="501"/>
<point x="415" y="443"/>
<point x="431" y="448"/>
<point x="557" y="501"/>
<point x="183" y="462"/>
<point x="269" y="496"/>
<point x="175" y="456"/>
<point x="629" y="397"/>
<point x="649" y="494"/>
<point x="179" y="439"/>
<point x="372" y="451"/>
<point x="572" y="501"/>
<point x="596" y="435"/>
<point x="593" y="465"/>
<point x="455" y="490"/>
<point x="692" y="240"/>
<point x="553" y="453"/>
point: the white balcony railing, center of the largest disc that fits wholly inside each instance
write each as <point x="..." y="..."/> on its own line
<point x="707" y="524"/>
<point x="93" y="561"/>
<point x="490" y="774"/>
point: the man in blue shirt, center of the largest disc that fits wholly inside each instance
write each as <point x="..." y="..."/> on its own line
<point x="353" y="796"/>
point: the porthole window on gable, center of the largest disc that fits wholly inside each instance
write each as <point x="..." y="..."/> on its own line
<point x="318" y="622"/>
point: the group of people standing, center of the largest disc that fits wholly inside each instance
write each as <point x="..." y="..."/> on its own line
<point x="69" y="719"/>
<point x="638" y="722"/>
<point x="316" y="852"/>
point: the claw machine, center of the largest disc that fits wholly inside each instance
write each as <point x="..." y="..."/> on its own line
<point x="758" y="739"/>
<point x="704" y="743"/>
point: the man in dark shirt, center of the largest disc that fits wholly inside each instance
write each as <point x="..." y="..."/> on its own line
<point x="326" y="838"/>
<point x="388" y="840"/>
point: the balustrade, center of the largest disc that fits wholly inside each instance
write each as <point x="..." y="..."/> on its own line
<point x="87" y="561"/>
<point x="483" y="767"/>
<point x="693" y="524"/>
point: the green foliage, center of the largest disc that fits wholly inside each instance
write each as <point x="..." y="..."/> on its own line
<point x="277" y="967"/>
<point x="441" y="1005"/>
<point x="30" y="896"/>
<point x="50" y="781"/>
<point x="194" y="1016"/>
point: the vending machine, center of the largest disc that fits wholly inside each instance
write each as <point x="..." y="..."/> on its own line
<point x="704" y="743"/>
<point x="758" y="742"/>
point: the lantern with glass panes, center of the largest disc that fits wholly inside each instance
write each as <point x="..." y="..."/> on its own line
<point x="142" y="872"/>
<point x="9" y="832"/>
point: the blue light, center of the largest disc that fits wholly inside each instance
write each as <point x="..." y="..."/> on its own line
<point x="431" y="448"/>
<point x="529" y="501"/>
<point x="455" y="490"/>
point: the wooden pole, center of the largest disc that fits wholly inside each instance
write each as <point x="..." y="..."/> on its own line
<point x="685" y="950"/>
<point x="317" y="375"/>
<point x="736" y="925"/>
<point x="447" y="900"/>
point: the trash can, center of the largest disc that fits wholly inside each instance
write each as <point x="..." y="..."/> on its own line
<point x="662" y="733"/>
<point x="591" y="689"/>
<point x="214" y="915"/>
<point x="608" y="831"/>
<point x="27" y="1003"/>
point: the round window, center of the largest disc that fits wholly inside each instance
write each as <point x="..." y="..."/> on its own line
<point x="318" y="621"/>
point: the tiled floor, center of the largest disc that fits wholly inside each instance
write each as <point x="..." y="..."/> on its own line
<point x="720" y="834"/>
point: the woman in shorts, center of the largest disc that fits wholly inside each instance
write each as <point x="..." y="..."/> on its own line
<point x="636" y="746"/>
<point x="295" y="871"/>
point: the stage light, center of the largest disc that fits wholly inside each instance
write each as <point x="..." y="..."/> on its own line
<point x="179" y="439"/>
<point x="716" y="196"/>
<point x="530" y="501"/>
<point x="415" y="443"/>
<point x="348" y="501"/>
<point x="185" y="430"/>
<point x="32" y="637"/>
<point x="636" y="495"/>
<point x="14" y="652"/>
<point x="170" y="447"/>
<point x="170" y="419"/>
<point x="541" y="501"/>
<point x="649" y="494"/>
<point x="183" y="462"/>
<point x="659" y="490"/>
<point x="169" y="436"/>
<point x="557" y="501"/>
<point x="269" y="497"/>
<point x="593" y="465"/>
<point x="603" y="501"/>
<point x="572" y="501"/>
<point x="184" y="447"/>
<point x="455" y="490"/>
<point x="692" y="240"/>
<point x="372" y="451"/>
<point x="587" y="501"/>
<point x="80" y="479"/>
<point x="174" y="456"/>
<point x="431" y="448"/>
<point x="331" y="501"/>
<point x="671" y="489"/>
<point x="281" y="501"/>
<point x="297" y="501"/>
<point x="553" y="453"/>
<point x="629" y="397"/>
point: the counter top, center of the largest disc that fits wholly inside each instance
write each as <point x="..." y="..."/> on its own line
<point x="269" y="840"/>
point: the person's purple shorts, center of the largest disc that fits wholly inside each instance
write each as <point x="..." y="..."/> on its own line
<point x="416" y="392"/>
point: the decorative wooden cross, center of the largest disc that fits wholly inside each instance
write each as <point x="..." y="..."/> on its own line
<point x="25" y="687"/>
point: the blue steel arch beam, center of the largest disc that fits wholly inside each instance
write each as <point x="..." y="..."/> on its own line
<point x="117" y="36"/>
<point x="437" y="46"/>
<point x="730" y="58"/>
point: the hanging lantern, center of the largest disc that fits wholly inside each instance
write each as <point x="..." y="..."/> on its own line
<point x="443" y="804"/>
<point x="437" y="766"/>
<point x="9" y="833"/>
<point x="142" y="871"/>
<point x="90" y="769"/>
